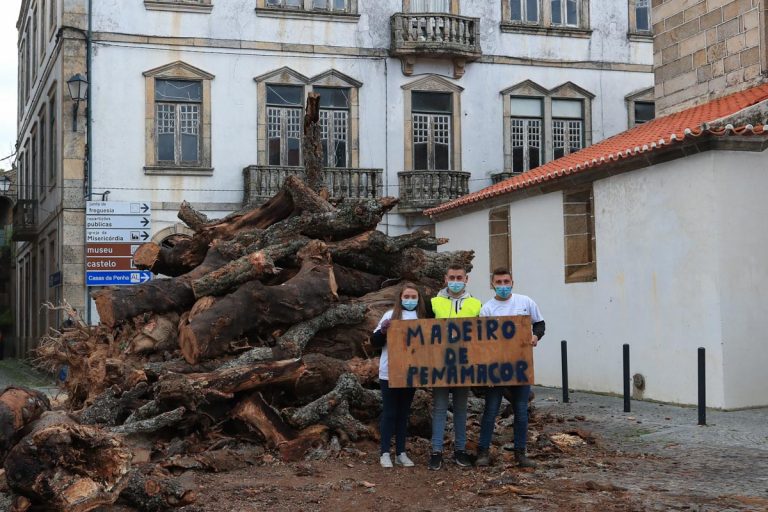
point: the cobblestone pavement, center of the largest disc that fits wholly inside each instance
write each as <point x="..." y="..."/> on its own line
<point x="727" y="457"/>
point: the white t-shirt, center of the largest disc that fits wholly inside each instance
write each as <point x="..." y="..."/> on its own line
<point x="384" y="361"/>
<point x="513" y="306"/>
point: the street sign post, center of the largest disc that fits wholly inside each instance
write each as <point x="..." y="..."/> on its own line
<point x="114" y="230"/>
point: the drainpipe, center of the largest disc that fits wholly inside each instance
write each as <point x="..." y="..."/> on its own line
<point x="88" y="145"/>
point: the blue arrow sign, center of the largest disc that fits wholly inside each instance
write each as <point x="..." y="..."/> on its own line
<point x="117" y="278"/>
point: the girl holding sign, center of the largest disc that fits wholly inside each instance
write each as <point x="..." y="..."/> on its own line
<point x="396" y="401"/>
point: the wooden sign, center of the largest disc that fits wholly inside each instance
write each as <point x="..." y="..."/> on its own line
<point x="434" y="353"/>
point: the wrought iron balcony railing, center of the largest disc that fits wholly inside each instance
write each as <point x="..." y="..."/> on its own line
<point x="264" y="181"/>
<point x="420" y="190"/>
<point x="25" y="220"/>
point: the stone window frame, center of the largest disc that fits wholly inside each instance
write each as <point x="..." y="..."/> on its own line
<point x="633" y="34"/>
<point x="329" y="78"/>
<point x="54" y="148"/>
<point x="53" y="15"/>
<point x="432" y="83"/>
<point x="643" y="95"/>
<point x="545" y="26"/>
<point x="42" y="148"/>
<point x="530" y="89"/>
<point x="178" y="70"/>
<point x="308" y="12"/>
<point x="194" y="6"/>
<point x="454" y="7"/>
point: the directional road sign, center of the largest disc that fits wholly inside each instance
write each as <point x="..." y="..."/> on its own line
<point x="117" y="221"/>
<point x="116" y="278"/>
<point x="116" y="236"/>
<point x="118" y="208"/>
<point x="110" y="250"/>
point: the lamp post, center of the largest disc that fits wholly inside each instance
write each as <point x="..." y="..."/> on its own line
<point x="78" y="91"/>
<point x="5" y="184"/>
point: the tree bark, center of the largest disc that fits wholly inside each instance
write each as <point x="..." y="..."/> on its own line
<point x="68" y="467"/>
<point x="312" y="149"/>
<point x="191" y="217"/>
<point x="19" y="406"/>
<point x="356" y="283"/>
<point x="152" y="489"/>
<point x="233" y="274"/>
<point x="214" y="324"/>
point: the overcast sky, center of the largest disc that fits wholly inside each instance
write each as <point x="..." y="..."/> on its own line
<point x="9" y="12"/>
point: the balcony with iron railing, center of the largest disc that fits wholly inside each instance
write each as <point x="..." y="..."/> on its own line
<point x="25" y="220"/>
<point x="420" y="190"/>
<point x="264" y="181"/>
<point x="438" y="35"/>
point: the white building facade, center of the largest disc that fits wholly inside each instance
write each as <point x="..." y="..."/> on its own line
<point x="425" y="100"/>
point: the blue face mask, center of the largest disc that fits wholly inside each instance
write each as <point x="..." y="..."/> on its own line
<point x="503" y="292"/>
<point x="409" y="304"/>
<point x="456" y="286"/>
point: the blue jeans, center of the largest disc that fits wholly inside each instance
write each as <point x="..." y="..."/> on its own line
<point x="396" y="409"/>
<point x="439" y="413"/>
<point x="519" y="406"/>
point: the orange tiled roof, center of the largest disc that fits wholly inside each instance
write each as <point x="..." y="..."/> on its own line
<point x="650" y="136"/>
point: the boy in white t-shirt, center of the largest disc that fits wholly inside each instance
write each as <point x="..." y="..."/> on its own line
<point x="506" y="303"/>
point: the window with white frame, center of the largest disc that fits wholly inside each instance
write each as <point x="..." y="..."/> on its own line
<point x="524" y="11"/>
<point x="334" y="125"/>
<point x="292" y="4"/>
<point x="431" y="117"/>
<point x="565" y="13"/>
<point x="567" y="126"/>
<point x="526" y="132"/>
<point x="331" y="5"/>
<point x="284" y="124"/>
<point x="178" y="109"/>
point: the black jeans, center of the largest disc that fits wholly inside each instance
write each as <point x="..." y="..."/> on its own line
<point x="394" y="416"/>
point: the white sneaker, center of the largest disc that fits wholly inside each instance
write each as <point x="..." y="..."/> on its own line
<point x="386" y="461"/>
<point x="403" y="460"/>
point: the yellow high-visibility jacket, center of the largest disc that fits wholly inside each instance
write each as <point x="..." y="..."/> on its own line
<point x="466" y="306"/>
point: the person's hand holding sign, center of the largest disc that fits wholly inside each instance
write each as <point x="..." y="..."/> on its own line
<point x="385" y="325"/>
<point x="534" y="340"/>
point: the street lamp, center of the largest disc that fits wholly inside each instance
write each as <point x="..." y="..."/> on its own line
<point x="78" y="91"/>
<point x="5" y="184"/>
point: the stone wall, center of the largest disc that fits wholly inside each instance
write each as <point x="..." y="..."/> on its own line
<point x="704" y="49"/>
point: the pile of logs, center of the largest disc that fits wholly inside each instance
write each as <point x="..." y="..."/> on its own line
<point x="255" y="332"/>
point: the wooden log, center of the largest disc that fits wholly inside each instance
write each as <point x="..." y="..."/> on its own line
<point x="322" y="373"/>
<point x="334" y="409"/>
<point x="158" y="334"/>
<point x="193" y="389"/>
<point x="233" y="274"/>
<point x="356" y="283"/>
<point x="312" y="146"/>
<point x="295" y="339"/>
<point x="215" y="323"/>
<point x="149" y="425"/>
<point x="68" y="467"/>
<point x="112" y="406"/>
<point x="191" y="217"/>
<point x="153" y="489"/>
<point x="19" y="406"/>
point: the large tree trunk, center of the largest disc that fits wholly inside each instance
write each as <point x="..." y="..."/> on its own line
<point x="19" y="407"/>
<point x="312" y="144"/>
<point x="214" y="324"/>
<point x="152" y="489"/>
<point x="68" y="467"/>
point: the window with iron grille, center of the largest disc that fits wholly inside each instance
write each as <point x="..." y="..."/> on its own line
<point x="178" y="107"/>
<point x="580" y="240"/>
<point x="432" y="114"/>
<point x="334" y="125"/>
<point x="524" y="11"/>
<point x="565" y="12"/>
<point x="284" y="124"/>
<point x="526" y="133"/>
<point x="567" y="127"/>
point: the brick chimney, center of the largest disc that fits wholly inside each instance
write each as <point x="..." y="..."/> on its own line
<point x="704" y="49"/>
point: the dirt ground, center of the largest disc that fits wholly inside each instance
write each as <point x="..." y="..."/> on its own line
<point x="582" y="467"/>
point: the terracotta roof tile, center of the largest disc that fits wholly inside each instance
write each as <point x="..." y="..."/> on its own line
<point x="666" y="130"/>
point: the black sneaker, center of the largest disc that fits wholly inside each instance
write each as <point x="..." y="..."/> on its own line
<point x="462" y="459"/>
<point x="483" y="458"/>
<point x="436" y="461"/>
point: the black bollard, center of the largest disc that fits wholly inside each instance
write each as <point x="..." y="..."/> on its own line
<point x="564" y="359"/>
<point x="702" y="389"/>
<point x="626" y="378"/>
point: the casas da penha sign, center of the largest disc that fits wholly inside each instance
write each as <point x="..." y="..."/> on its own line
<point x="488" y="351"/>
